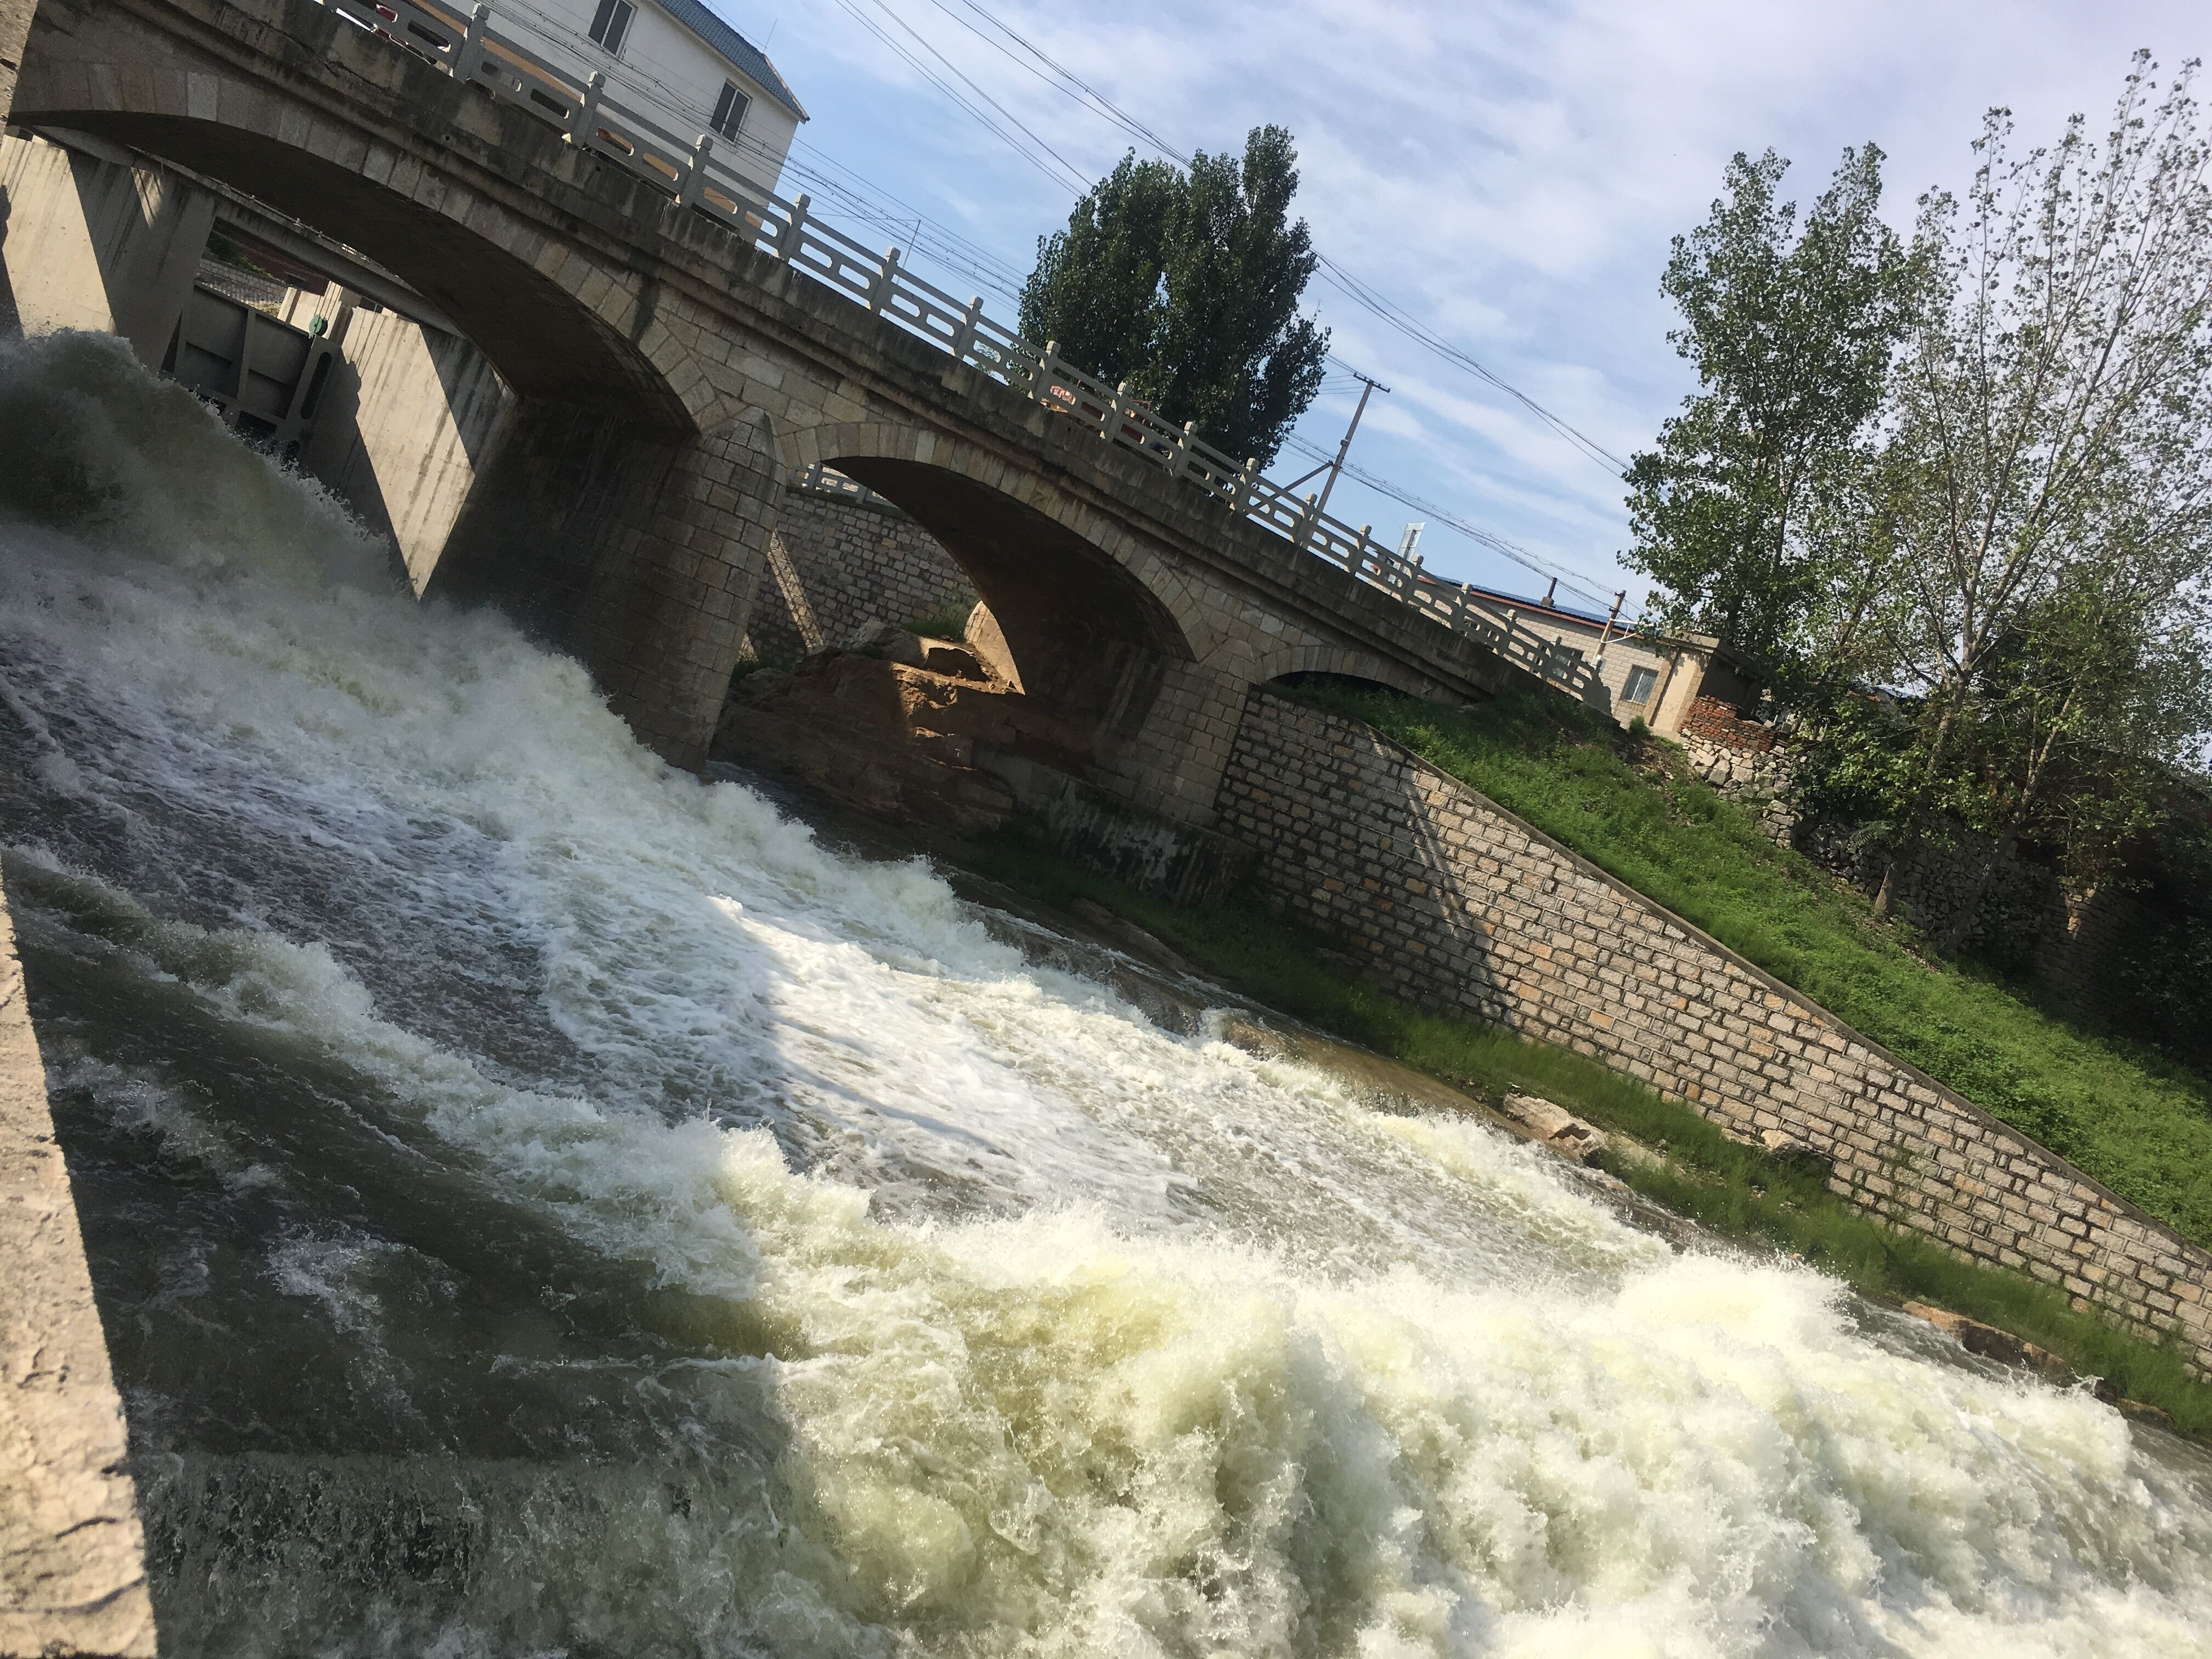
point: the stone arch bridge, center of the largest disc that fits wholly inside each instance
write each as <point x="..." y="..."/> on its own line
<point x="670" y="372"/>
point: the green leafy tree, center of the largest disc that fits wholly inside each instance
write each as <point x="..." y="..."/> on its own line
<point x="1186" y="287"/>
<point x="2049" y="464"/>
<point x="1752" y="513"/>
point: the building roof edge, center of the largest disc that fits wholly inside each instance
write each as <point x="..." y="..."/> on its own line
<point x="726" y="43"/>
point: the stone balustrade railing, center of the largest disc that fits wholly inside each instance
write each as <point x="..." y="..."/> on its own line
<point x="469" y="50"/>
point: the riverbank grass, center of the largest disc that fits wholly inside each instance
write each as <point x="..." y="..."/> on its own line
<point x="1736" y="1191"/>
<point x="2122" y="1111"/>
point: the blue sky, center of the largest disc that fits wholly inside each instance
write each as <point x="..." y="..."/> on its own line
<point x="1510" y="173"/>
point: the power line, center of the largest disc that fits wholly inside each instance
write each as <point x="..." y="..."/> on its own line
<point x="1495" y="543"/>
<point x="1352" y="288"/>
<point x="1029" y="154"/>
<point x="1067" y="83"/>
<point x="855" y="194"/>
<point x="1060" y="78"/>
<point x="1342" y="280"/>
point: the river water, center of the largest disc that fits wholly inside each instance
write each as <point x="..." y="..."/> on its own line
<point x="543" y="1204"/>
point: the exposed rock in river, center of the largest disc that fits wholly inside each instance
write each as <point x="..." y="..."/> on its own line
<point x="1556" y="1126"/>
<point x="892" y="728"/>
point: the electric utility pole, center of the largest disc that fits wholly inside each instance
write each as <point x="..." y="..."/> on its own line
<point x="1367" y="386"/>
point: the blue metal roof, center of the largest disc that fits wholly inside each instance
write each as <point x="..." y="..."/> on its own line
<point x="743" y="54"/>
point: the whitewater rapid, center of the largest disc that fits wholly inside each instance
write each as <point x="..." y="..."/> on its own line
<point x="544" y="1203"/>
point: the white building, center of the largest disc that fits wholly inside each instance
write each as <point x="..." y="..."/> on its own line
<point x="673" y="62"/>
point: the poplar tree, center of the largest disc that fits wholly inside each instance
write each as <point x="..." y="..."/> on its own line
<point x="2051" y="455"/>
<point x="1750" y="512"/>
<point x="1186" y="287"/>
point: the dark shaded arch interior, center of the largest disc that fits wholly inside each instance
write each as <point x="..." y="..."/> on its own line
<point x="1326" y="679"/>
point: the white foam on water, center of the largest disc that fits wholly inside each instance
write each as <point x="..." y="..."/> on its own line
<point x="1082" y="1337"/>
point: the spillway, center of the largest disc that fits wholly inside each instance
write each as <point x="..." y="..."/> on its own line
<point x="542" y="1203"/>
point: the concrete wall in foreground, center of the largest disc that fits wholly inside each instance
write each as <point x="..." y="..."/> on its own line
<point x="72" y="1558"/>
<point x="1457" y="904"/>
<point x="409" y="420"/>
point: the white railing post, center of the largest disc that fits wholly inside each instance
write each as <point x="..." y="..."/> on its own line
<point x="584" y="118"/>
<point x="964" y="342"/>
<point x="694" y="188"/>
<point x="1109" y="422"/>
<point x="1179" y="461"/>
<point x="469" y="58"/>
<point x="1048" y="369"/>
<point x="1307" y="519"/>
<point x="885" y="279"/>
<point x="1248" y="496"/>
<point x="788" y="239"/>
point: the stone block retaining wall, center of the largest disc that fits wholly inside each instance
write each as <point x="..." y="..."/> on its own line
<point x="1457" y="904"/>
<point x="840" y="559"/>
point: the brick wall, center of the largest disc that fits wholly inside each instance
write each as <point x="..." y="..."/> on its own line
<point x="1458" y="904"/>
<point x="838" y="560"/>
<point x="1710" y="720"/>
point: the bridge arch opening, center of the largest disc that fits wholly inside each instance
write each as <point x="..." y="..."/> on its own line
<point x="1088" y="639"/>
<point x="544" y="341"/>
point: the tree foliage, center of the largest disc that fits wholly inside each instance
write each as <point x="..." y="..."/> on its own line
<point x="1186" y="287"/>
<point x="2051" y="477"/>
<point x="1975" y="472"/>
<point x="1747" y="511"/>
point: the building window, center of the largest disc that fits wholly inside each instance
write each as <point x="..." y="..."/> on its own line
<point x="610" y="24"/>
<point x="1640" y="682"/>
<point x="729" y="110"/>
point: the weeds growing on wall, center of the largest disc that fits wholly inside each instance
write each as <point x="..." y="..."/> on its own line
<point x="1736" y="1191"/>
<point x="2124" y="1113"/>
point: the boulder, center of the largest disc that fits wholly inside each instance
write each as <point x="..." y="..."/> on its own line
<point x="1989" y="1342"/>
<point x="957" y="661"/>
<point x="886" y="641"/>
<point x="1555" y="1126"/>
<point x="1787" y="1150"/>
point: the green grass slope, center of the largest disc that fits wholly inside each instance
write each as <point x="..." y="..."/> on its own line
<point x="2124" y="1113"/>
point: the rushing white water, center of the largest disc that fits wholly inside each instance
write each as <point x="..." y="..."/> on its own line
<point x="545" y="1204"/>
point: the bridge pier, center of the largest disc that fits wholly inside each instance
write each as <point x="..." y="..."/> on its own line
<point x="638" y="551"/>
<point x="98" y="244"/>
<point x="1173" y="764"/>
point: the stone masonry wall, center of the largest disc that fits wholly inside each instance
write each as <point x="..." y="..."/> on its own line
<point x="1458" y="904"/>
<point x="838" y="560"/>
